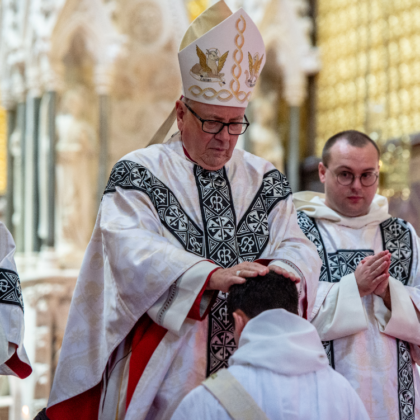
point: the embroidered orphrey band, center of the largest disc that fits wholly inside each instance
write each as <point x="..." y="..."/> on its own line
<point x="227" y="245"/>
<point x="130" y="175"/>
<point x="224" y="241"/>
<point x="10" y="290"/>
<point x="396" y="238"/>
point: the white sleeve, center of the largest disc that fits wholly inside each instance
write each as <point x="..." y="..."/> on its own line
<point x="13" y="357"/>
<point x="403" y="320"/>
<point x="172" y="308"/>
<point x="292" y="250"/>
<point x="341" y="312"/>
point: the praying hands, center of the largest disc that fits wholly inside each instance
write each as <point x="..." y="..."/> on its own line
<point x="372" y="276"/>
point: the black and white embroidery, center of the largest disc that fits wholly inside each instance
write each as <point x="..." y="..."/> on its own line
<point x="405" y="381"/>
<point x="329" y="350"/>
<point x="253" y="227"/>
<point x="221" y="344"/>
<point x="218" y="215"/>
<point x="222" y="242"/>
<point x="131" y="175"/>
<point x="219" y="222"/>
<point x="310" y="229"/>
<point x="334" y="265"/>
<point x="10" y="290"/>
<point x="228" y="246"/>
<point x="396" y="238"/>
<point x="344" y="262"/>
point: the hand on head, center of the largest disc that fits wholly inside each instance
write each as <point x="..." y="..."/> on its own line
<point x="223" y="279"/>
<point x="372" y="274"/>
<point x="284" y="273"/>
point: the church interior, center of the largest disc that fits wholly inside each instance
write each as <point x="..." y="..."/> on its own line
<point x="84" y="82"/>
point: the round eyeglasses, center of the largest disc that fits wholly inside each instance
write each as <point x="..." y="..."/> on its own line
<point x="367" y="179"/>
<point x="215" y="127"/>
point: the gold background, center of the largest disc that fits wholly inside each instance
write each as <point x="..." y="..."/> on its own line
<point x="370" y="77"/>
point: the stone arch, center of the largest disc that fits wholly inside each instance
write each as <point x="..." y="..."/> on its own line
<point x="89" y="19"/>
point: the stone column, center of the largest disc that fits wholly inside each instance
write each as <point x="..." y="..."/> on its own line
<point x="294" y="92"/>
<point x="36" y="243"/>
<point x="53" y="83"/>
<point x="103" y="81"/>
<point x="103" y="145"/>
<point x="293" y="174"/>
<point x="19" y="218"/>
<point x="31" y="242"/>
<point x="51" y="169"/>
<point x="11" y="122"/>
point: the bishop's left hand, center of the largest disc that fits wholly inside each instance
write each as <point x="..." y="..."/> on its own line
<point x="285" y="273"/>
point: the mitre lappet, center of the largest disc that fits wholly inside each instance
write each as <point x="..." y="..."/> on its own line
<point x="220" y="57"/>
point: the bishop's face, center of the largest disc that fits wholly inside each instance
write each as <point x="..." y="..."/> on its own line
<point x="210" y="151"/>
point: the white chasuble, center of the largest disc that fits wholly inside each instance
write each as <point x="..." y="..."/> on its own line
<point x="13" y="358"/>
<point x="374" y="348"/>
<point x="163" y="226"/>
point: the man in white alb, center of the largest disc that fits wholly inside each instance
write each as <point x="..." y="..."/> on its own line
<point x="367" y="307"/>
<point x="180" y="222"/>
<point x="280" y="369"/>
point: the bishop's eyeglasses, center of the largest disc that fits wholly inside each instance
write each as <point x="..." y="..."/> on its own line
<point x="346" y="178"/>
<point x="215" y="127"/>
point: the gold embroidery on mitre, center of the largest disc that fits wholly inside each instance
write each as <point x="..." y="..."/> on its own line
<point x="197" y="92"/>
<point x="254" y="69"/>
<point x="241" y="96"/>
<point x="210" y="65"/>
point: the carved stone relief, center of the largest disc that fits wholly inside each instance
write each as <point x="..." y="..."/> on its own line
<point x="147" y="80"/>
<point x="50" y="298"/>
<point x="75" y="188"/>
<point x="263" y="135"/>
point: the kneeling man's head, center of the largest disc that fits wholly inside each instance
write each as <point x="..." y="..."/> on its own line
<point x="258" y="294"/>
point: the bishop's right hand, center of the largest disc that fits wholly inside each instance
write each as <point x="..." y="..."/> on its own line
<point x="372" y="272"/>
<point x="223" y="278"/>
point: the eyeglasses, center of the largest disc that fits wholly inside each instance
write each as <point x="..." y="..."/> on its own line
<point x="346" y="178"/>
<point x="215" y="127"/>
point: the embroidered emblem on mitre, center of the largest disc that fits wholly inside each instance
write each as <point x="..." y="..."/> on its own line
<point x="221" y="57"/>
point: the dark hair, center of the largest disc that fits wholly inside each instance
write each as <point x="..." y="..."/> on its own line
<point x="261" y="293"/>
<point x="352" y="137"/>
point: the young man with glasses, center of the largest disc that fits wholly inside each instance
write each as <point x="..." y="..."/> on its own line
<point x="179" y="223"/>
<point x="368" y="302"/>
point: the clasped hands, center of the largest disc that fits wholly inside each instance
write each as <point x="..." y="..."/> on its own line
<point x="224" y="278"/>
<point x="372" y="276"/>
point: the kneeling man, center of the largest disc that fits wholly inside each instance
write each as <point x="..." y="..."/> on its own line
<point x="280" y="370"/>
<point x="367" y="308"/>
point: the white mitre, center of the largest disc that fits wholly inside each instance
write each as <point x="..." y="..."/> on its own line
<point x="221" y="57"/>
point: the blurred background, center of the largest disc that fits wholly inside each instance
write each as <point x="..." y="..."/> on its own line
<point x="83" y="82"/>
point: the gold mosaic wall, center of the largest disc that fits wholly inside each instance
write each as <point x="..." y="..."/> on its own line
<point x="370" y="77"/>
